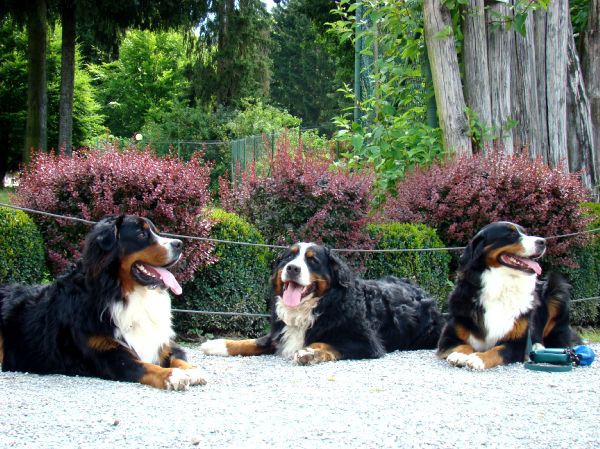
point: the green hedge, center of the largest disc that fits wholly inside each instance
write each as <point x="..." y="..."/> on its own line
<point x="586" y="277"/>
<point x="22" y="256"/>
<point x="237" y="282"/>
<point x="429" y="269"/>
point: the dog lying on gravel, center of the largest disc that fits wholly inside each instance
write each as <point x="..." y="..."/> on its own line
<point x="321" y="312"/>
<point x="498" y="301"/>
<point x="109" y="316"/>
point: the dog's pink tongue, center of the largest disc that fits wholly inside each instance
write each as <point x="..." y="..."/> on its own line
<point x="533" y="265"/>
<point x="167" y="277"/>
<point x="292" y="295"/>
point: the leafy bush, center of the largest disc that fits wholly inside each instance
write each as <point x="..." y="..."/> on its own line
<point x="21" y="248"/>
<point x="94" y="184"/>
<point x="148" y="76"/>
<point x="235" y="283"/>
<point x="256" y="117"/>
<point x="429" y="269"/>
<point x="586" y="279"/>
<point x="461" y="196"/>
<point x="303" y="198"/>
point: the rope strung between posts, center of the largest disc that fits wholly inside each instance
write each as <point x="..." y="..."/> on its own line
<point x="264" y="245"/>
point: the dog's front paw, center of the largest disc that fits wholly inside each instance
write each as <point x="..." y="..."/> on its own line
<point x="214" y="347"/>
<point x="475" y="362"/>
<point x="306" y="356"/>
<point x="458" y="359"/>
<point x="196" y="376"/>
<point x="179" y="380"/>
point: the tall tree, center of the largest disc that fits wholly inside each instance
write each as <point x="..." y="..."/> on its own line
<point x="232" y="53"/>
<point x="37" y="92"/>
<point x="591" y="75"/>
<point x="87" y="122"/>
<point x="500" y="54"/>
<point x="305" y="70"/>
<point x="109" y="20"/>
<point x="450" y="101"/>
<point x="475" y="56"/>
<point x="524" y="94"/>
<point x="67" y="75"/>
<point x="534" y="76"/>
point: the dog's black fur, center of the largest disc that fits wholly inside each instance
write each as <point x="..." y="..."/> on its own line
<point x="540" y="316"/>
<point x="352" y="318"/>
<point x="67" y="327"/>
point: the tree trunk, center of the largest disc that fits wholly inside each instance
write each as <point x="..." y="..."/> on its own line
<point x="67" y="76"/>
<point x="446" y="77"/>
<point x="556" y="82"/>
<point x="37" y="98"/>
<point x="579" y="129"/>
<point x="477" y="78"/>
<point x="500" y="50"/>
<point x="524" y="92"/>
<point x="591" y="75"/>
<point x="539" y="29"/>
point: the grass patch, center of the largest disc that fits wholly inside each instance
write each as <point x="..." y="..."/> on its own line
<point x="590" y="334"/>
<point x="4" y="195"/>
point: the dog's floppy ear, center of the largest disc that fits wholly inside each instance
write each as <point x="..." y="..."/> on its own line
<point x="342" y="275"/>
<point x="108" y="232"/>
<point x="472" y="252"/>
<point x="101" y="247"/>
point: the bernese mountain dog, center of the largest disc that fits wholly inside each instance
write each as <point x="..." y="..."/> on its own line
<point x="108" y="316"/>
<point x="321" y="312"/>
<point x="498" y="304"/>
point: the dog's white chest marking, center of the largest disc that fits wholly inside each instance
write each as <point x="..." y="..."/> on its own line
<point x="144" y="322"/>
<point x="506" y="295"/>
<point x="297" y="321"/>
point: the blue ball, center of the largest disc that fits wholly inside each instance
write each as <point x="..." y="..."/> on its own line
<point x="585" y="353"/>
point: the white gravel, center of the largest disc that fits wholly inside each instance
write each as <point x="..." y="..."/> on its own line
<point x="404" y="400"/>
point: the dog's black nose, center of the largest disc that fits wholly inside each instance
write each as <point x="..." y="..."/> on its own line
<point x="293" y="269"/>
<point x="540" y="245"/>
<point x="177" y="244"/>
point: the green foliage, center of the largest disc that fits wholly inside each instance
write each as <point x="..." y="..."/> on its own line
<point x="429" y="269"/>
<point x="254" y="117"/>
<point x="585" y="280"/>
<point x="586" y="277"/>
<point x="478" y="131"/>
<point x="392" y="133"/>
<point x="579" y="15"/>
<point x="87" y="122"/>
<point x="21" y="248"/>
<point x="87" y="118"/>
<point x="308" y="67"/>
<point x="592" y="210"/>
<point x="184" y="122"/>
<point x="237" y="282"/>
<point x="231" y="56"/>
<point x="148" y="78"/>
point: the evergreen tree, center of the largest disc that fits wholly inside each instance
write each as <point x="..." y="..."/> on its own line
<point x="231" y="54"/>
<point x="309" y="64"/>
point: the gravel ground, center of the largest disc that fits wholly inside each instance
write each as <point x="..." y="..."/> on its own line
<point x="404" y="400"/>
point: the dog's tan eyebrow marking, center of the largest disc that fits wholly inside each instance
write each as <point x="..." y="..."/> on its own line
<point x="295" y="249"/>
<point x="310" y="253"/>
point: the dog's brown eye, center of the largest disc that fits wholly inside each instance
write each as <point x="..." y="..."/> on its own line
<point x="141" y="235"/>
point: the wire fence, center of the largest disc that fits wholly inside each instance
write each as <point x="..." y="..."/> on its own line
<point x="233" y="242"/>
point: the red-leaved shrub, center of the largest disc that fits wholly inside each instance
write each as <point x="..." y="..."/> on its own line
<point x="303" y="198"/>
<point x="461" y="196"/>
<point x="92" y="184"/>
